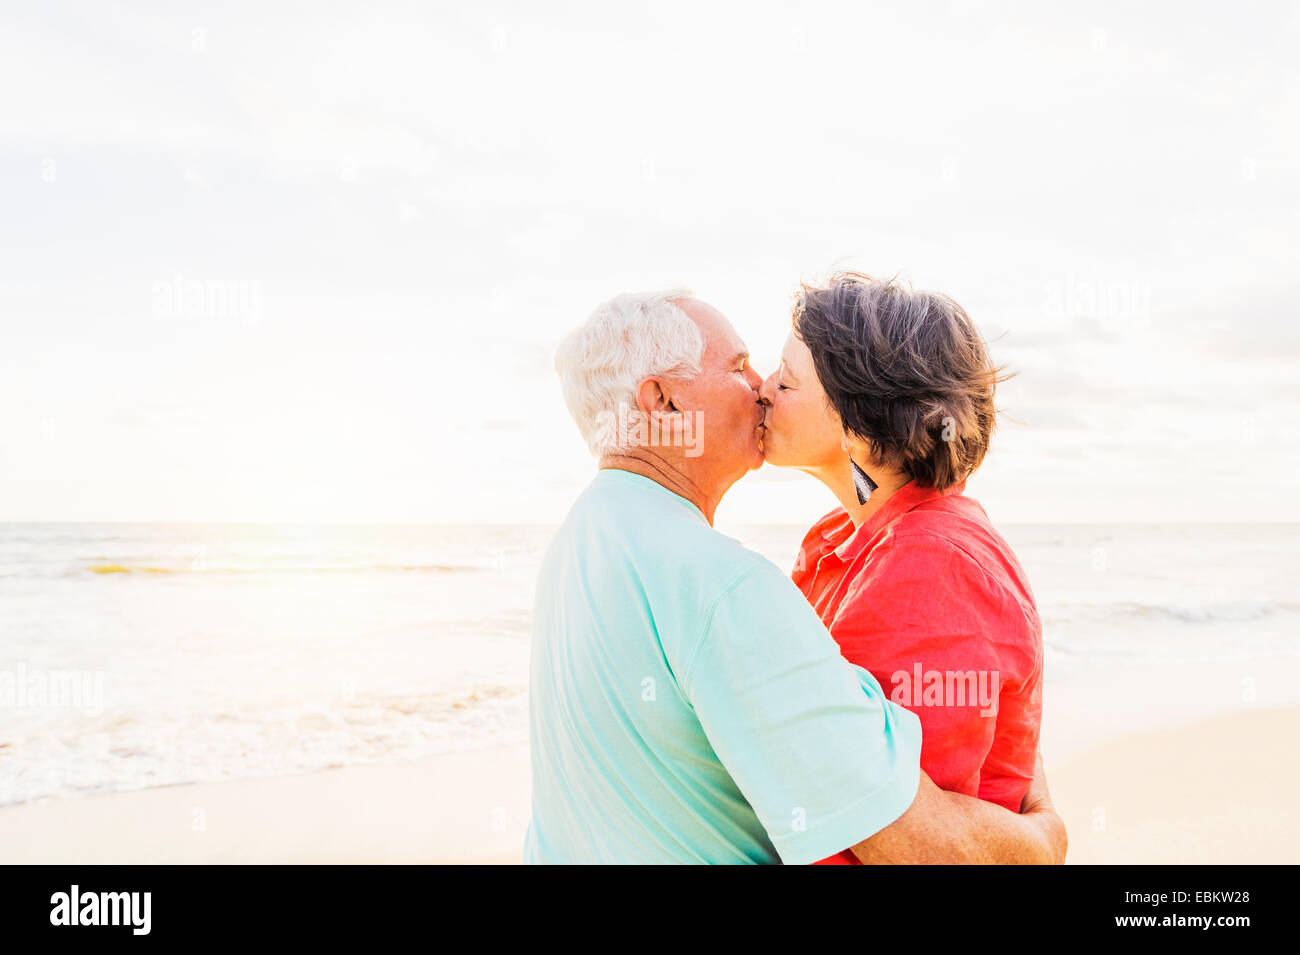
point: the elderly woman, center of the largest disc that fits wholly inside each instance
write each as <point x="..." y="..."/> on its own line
<point x="885" y="395"/>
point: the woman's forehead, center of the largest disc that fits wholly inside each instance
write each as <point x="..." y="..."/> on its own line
<point x="796" y="353"/>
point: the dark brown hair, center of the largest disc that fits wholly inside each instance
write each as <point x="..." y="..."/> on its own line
<point x="906" y="371"/>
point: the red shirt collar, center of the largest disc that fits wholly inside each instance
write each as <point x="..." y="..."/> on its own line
<point x="906" y="498"/>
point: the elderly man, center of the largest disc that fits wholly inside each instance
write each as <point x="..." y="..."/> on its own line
<point x="687" y="705"/>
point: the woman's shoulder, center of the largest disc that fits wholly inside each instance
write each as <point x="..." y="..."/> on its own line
<point x="956" y="523"/>
<point x="960" y="534"/>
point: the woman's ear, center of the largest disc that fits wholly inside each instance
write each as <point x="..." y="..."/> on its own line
<point x="859" y="448"/>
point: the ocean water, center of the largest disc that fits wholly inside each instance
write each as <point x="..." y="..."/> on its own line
<point x="136" y="655"/>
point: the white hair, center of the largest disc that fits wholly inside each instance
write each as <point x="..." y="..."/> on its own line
<point x="626" y="340"/>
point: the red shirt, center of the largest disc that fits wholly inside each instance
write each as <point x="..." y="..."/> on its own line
<point x="928" y="597"/>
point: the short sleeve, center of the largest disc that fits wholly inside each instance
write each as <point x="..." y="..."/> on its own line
<point x="824" y="759"/>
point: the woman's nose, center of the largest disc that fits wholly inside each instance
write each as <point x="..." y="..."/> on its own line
<point x="767" y="388"/>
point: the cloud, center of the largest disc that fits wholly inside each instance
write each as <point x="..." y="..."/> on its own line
<point x="428" y="199"/>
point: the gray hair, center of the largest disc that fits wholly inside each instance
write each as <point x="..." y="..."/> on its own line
<point x="626" y="340"/>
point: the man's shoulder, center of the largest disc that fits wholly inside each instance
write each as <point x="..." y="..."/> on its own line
<point x="720" y="562"/>
<point x="664" y="534"/>
<point x="713" y="570"/>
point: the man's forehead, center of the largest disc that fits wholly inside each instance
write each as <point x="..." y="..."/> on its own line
<point x="719" y="336"/>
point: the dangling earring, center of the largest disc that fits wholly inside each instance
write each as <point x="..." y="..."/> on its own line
<point x="861" y="483"/>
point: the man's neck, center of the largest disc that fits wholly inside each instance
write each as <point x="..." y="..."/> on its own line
<point x="838" y="476"/>
<point x="668" y="474"/>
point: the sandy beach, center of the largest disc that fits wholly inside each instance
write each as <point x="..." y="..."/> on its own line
<point x="1209" y="790"/>
<point x="1170" y="706"/>
<point x="1216" y="793"/>
<point x="460" y="807"/>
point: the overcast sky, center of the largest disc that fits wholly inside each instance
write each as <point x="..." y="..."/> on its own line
<point x="269" y="265"/>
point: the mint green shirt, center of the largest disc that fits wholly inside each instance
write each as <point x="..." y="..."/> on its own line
<point x="687" y="705"/>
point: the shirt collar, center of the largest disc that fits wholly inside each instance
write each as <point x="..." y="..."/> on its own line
<point x="621" y="474"/>
<point x="906" y="498"/>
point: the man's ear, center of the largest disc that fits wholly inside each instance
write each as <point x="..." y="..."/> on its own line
<point x="652" y="396"/>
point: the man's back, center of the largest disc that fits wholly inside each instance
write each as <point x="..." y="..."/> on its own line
<point x="687" y="705"/>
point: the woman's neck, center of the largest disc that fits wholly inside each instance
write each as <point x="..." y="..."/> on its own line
<point x="838" y="476"/>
